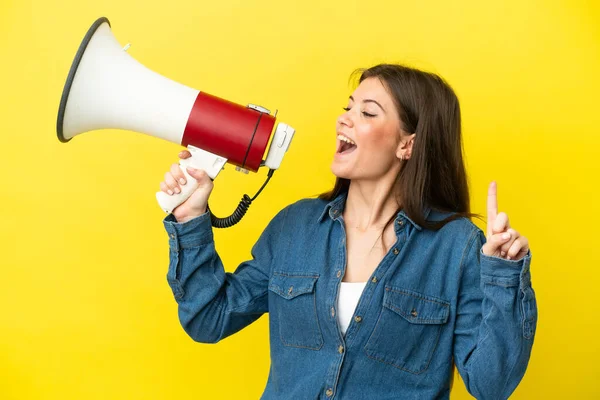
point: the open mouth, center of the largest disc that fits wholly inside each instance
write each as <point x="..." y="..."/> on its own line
<point x="345" y="145"/>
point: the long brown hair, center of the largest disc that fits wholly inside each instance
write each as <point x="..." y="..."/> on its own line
<point x="435" y="175"/>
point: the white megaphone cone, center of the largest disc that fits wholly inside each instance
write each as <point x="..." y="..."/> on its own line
<point x="108" y="89"/>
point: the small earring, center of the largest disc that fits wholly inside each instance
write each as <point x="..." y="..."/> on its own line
<point x="401" y="157"/>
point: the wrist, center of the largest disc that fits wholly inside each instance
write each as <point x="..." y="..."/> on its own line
<point x="183" y="218"/>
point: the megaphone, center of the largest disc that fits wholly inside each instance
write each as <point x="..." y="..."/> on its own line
<point x="108" y="89"/>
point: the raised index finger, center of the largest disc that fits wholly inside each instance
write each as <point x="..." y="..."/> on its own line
<point x="492" y="207"/>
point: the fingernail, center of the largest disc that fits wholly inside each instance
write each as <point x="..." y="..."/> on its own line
<point x="506" y="236"/>
<point x="182" y="181"/>
<point x="508" y="258"/>
<point x="170" y="192"/>
<point x="502" y="253"/>
<point x="177" y="190"/>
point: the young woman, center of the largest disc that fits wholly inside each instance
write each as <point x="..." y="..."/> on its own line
<point x="376" y="289"/>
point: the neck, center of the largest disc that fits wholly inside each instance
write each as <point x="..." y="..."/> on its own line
<point x="370" y="204"/>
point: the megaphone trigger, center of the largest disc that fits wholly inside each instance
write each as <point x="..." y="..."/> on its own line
<point x="202" y="159"/>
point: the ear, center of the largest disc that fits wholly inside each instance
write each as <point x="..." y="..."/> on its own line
<point x="405" y="146"/>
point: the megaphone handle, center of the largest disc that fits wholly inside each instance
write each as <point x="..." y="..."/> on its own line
<point x="169" y="202"/>
<point x="200" y="159"/>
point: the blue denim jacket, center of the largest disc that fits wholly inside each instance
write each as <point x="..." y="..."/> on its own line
<point x="434" y="300"/>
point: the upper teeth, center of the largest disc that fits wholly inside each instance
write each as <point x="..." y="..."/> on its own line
<point x="346" y="139"/>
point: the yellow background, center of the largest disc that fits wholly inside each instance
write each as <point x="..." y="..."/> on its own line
<point x="86" y="312"/>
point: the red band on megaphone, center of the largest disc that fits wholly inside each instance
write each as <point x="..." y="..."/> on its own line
<point x="230" y="130"/>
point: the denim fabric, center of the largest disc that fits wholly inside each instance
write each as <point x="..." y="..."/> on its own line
<point x="434" y="300"/>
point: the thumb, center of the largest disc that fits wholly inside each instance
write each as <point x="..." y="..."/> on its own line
<point x="492" y="246"/>
<point x="184" y="154"/>
<point x="199" y="175"/>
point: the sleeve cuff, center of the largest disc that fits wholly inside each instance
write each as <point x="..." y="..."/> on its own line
<point x="193" y="233"/>
<point x="504" y="272"/>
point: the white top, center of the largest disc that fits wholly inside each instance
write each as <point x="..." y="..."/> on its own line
<point x="346" y="303"/>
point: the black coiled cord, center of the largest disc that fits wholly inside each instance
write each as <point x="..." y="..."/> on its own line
<point x="241" y="209"/>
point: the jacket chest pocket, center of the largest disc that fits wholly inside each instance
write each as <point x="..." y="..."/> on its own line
<point x="296" y="310"/>
<point x="408" y="329"/>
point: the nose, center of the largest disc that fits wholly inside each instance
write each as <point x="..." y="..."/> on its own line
<point x="345" y="120"/>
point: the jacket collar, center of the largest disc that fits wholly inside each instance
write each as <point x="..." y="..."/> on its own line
<point x="335" y="208"/>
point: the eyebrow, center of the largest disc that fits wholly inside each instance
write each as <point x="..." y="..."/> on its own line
<point x="369" y="101"/>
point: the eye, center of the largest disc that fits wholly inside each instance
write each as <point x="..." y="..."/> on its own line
<point x="366" y="114"/>
<point x="346" y="108"/>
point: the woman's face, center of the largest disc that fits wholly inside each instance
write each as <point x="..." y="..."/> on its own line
<point x="372" y="126"/>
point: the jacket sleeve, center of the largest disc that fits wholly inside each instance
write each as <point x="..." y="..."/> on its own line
<point x="495" y="322"/>
<point x="212" y="303"/>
